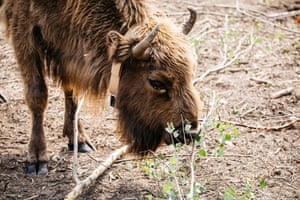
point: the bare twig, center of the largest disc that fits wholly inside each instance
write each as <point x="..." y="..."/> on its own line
<point x="260" y="81"/>
<point x="210" y="112"/>
<point x="225" y="63"/>
<point x="248" y="111"/>
<point x="191" y="195"/>
<point x="181" y="155"/>
<point x="267" y="128"/>
<point x="268" y="22"/>
<point x="83" y="185"/>
<point x="75" y="150"/>
<point x="271" y="15"/>
<point x="33" y="197"/>
<point x="280" y="93"/>
<point x="284" y="14"/>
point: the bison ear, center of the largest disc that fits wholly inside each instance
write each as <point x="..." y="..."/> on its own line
<point x="118" y="46"/>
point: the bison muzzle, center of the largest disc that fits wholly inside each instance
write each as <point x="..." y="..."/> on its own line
<point x="77" y="43"/>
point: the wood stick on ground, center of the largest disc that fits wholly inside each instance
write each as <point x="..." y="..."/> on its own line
<point x="280" y="93"/>
<point x="83" y="185"/>
<point x="260" y="81"/>
<point x="284" y="14"/>
<point x="267" y="128"/>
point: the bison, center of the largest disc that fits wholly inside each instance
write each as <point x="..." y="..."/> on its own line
<point x="80" y="43"/>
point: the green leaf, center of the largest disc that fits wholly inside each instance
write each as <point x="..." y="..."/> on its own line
<point x="220" y="152"/>
<point x="170" y="127"/>
<point x="161" y="156"/>
<point x="198" y="138"/>
<point x="248" y="190"/>
<point x="129" y="166"/>
<point x="187" y="127"/>
<point x="234" y="111"/>
<point x="258" y="40"/>
<point x="167" y="188"/>
<point x="263" y="184"/>
<point x="173" y="160"/>
<point x="230" y="53"/>
<point x="196" y="42"/>
<point x="220" y="127"/>
<point x="202" y="152"/>
<point x="175" y="134"/>
<point x="227" y="137"/>
<point x="235" y="131"/>
<point x="229" y="194"/>
<point x="149" y="197"/>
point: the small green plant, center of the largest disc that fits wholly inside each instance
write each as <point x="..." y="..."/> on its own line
<point x="176" y="173"/>
<point x="231" y="194"/>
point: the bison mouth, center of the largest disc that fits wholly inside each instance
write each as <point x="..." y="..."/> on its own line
<point x="180" y="134"/>
<point x="144" y="139"/>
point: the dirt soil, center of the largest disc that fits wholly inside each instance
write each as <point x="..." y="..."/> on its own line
<point x="266" y="149"/>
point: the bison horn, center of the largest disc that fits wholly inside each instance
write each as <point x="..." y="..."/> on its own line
<point x="140" y="48"/>
<point x="187" y="27"/>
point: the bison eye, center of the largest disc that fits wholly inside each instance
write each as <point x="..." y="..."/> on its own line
<point x="157" y="85"/>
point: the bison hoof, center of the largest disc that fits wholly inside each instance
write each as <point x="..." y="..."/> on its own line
<point x="82" y="147"/>
<point x="37" y="169"/>
<point x="2" y="99"/>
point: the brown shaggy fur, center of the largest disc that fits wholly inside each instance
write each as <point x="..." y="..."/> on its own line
<point x="69" y="41"/>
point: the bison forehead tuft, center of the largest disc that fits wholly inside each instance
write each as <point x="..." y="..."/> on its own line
<point x="170" y="48"/>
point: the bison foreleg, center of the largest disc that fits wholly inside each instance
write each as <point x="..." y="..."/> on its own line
<point x="84" y="144"/>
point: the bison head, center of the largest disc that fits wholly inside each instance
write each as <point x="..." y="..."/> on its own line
<point x="155" y="87"/>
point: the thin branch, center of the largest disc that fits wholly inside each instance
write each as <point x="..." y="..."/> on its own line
<point x="83" y="185"/>
<point x="191" y="195"/>
<point x="268" y="22"/>
<point x="226" y="63"/>
<point x="181" y="155"/>
<point x="260" y="81"/>
<point x="210" y="112"/>
<point x="75" y="150"/>
<point x="33" y="197"/>
<point x="284" y="14"/>
<point x="267" y="128"/>
<point x="272" y="15"/>
<point x="280" y="93"/>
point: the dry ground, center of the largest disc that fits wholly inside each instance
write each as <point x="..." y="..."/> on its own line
<point x="265" y="150"/>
